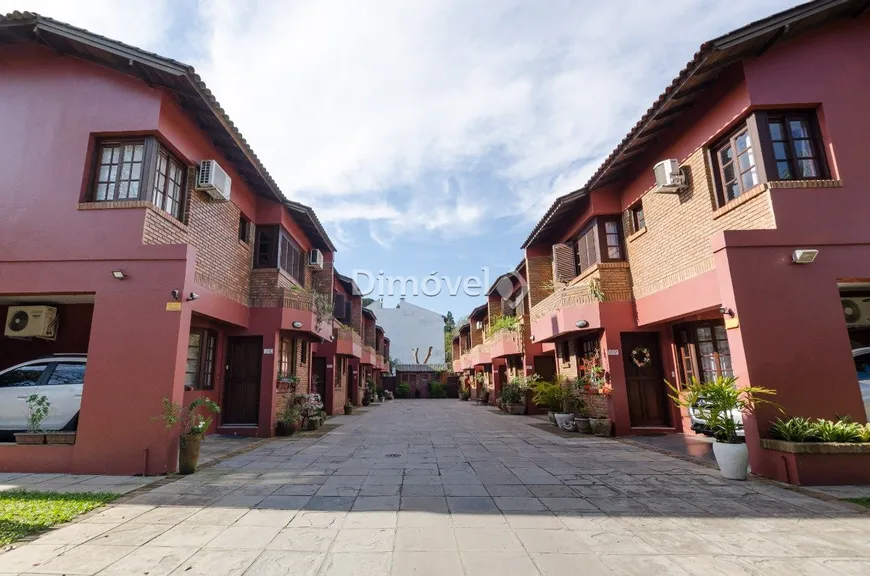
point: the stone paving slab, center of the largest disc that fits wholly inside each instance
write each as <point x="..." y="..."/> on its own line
<point x="448" y="487"/>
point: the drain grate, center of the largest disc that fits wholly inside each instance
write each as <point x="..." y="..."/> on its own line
<point x="393" y="455"/>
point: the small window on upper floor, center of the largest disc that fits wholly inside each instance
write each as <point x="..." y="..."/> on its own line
<point x="274" y="248"/>
<point x="599" y="241"/>
<point x="139" y="169"/>
<point x="244" y="229"/>
<point x="770" y="145"/>
<point x="637" y="220"/>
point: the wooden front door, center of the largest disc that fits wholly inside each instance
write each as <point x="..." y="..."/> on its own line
<point x="318" y="371"/>
<point x="647" y="400"/>
<point x="242" y="387"/>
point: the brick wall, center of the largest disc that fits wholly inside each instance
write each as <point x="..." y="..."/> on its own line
<point x="477" y="333"/>
<point x="675" y="245"/>
<point x="539" y="270"/>
<point x="223" y="262"/>
<point x="303" y="372"/>
<point x="356" y="314"/>
<point x="369" y="336"/>
<point x="493" y="308"/>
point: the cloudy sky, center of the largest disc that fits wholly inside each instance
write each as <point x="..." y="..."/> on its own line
<point x="429" y="135"/>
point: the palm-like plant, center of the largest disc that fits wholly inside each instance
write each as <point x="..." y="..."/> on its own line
<point x="717" y="400"/>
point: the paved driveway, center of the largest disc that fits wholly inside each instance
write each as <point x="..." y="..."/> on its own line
<point x="447" y="487"/>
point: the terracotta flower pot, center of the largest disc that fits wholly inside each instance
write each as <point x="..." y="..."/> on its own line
<point x="188" y="455"/>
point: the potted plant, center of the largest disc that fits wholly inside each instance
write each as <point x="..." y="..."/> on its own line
<point x="287" y="381"/>
<point x="718" y="401"/>
<point x="549" y="395"/>
<point x="581" y="418"/>
<point x="60" y="437"/>
<point x="348" y="408"/>
<point x="593" y="383"/>
<point x="513" y="394"/>
<point x="288" y="420"/>
<point x="38" y="407"/>
<point x="192" y="425"/>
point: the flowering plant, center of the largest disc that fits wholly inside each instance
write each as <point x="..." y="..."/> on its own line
<point x="309" y="404"/>
<point x="593" y="376"/>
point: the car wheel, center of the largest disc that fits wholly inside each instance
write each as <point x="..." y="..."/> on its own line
<point x="72" y="425"/>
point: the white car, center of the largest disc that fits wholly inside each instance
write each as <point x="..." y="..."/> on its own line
<point x="60" y="378"/>
<point x="862" y="366"/>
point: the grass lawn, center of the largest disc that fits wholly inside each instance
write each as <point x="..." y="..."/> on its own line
<point x="23" y="513"/>
<point x="861" y="501"/>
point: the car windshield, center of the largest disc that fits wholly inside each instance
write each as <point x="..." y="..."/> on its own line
<point x="862" y="366"/>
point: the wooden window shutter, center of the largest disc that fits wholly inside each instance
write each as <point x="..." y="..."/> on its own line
<point x="563" y="263"/>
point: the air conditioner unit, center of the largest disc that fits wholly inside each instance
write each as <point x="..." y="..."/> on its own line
<point x="669" y="178"/>
<point x="315" y="259"/>
<point x="213" y="180"/>
<point x="856" y="311"/>
<point x="31" y="322"/>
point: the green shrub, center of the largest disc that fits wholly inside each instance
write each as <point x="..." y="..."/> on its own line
<point x="436" y="390"/>
<point x="403" y="390"/>
<point x="792" y="430"/>
<point x="840" y="431"/>
<point x="549" y="395"/>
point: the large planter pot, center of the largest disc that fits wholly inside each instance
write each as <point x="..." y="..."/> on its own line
<point x="188" y="456"/>
<point x="600" y="426"/>
<point x="60" y="437"/>
<point x="348" y="409"/>
<point x="516" y="409"/>
<point x="564" y="421"/>
<point x="733" y="460"/>
<point x="313" y="423"/>
<point x="366" y="401"/>
<point x="283" y="428"/>
<point x="552" y="417"/>
<point x="583" y="425"/>
<point x="30" y="438"/>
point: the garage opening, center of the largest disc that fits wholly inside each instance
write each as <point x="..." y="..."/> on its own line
<point x="855" y="299"/>
<point x="43" y="352"/>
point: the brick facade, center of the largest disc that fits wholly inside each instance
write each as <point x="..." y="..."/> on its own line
<point x="539" y="270"/>
<point x="675" y="245"/>
<point x="223" y="262"/>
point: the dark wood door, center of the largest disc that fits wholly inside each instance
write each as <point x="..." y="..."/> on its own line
<point x="242" y="388"/>
<point x="545" y="367"/>
<point x="352" y="384"/>
<point x="318" y="371"/>
<point x="647" y="399"/>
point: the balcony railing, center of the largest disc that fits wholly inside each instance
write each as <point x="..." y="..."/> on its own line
<point x="607" y="282"/>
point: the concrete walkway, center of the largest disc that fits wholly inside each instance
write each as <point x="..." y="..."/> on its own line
<point x="444" y="487"/>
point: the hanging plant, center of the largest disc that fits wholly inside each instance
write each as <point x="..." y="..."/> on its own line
<point x="641" y="357"/>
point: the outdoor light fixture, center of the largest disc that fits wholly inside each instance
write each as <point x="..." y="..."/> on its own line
<point x="118" y="274"/>
<point x="297" y="324"/>
<point x="532" y="337"/>
<point x="804" y="256"/>
<point x="727" y="311"/>
<point x="193" y="296"/>
<point x="582" y="324"/>
<point x="176" y="295"/>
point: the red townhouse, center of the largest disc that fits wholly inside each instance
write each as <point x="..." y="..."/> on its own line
<point x="135" y="210"/>
<point x="337" y="361"/>
<point x="737" y="253"/>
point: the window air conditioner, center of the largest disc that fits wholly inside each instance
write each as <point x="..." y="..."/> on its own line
<point x="315" y="259"/>
<point x="213" y="180"/>
<point x="31" y="322"/>
<point x="669" y="178"/>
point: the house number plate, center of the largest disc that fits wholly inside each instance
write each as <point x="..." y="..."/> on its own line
<point x="613" y="352"/>
<point x="268" y="351"/>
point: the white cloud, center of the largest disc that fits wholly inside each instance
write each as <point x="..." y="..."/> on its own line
<point x="344" y="100"/>
<point x="438" y="116"/>
<point x="141" y="24"/>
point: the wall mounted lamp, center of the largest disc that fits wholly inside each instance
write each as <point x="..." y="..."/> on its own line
<point x="297" y="324"/>
<point x="118" y="274"/>
<point x="582" y="324"/>
<point x="804" y="256"/>
<point x="726" y="311"/>
<point x="176" y="295"/>
<point x="532" y="338"/>
<point x="192" y="296"/>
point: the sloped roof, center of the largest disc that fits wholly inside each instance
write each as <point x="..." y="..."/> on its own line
<point x="699" y="75"/>
<point x="309" y="222"/>
<point x="347" y="283"/>
<point x="420" y="367"/>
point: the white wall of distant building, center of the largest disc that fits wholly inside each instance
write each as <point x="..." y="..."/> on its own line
<point x="409" y="326"/>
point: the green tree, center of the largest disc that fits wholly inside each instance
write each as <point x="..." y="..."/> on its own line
<point x="367" y="301"/>
<point x="449" y="323"/>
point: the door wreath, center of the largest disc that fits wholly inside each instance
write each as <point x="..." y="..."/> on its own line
<point x="641" y="357"/>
